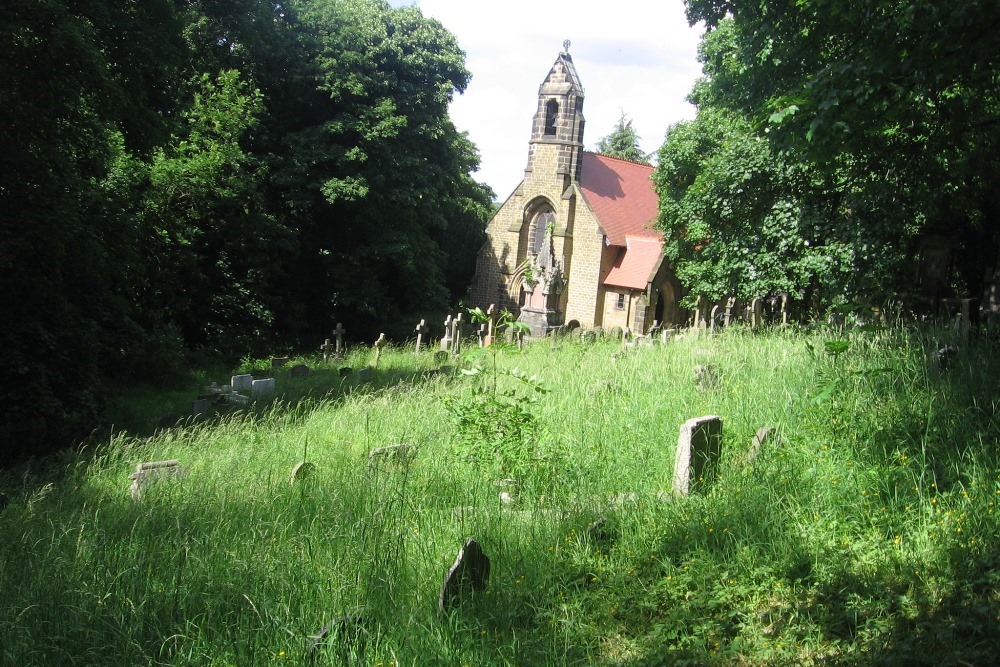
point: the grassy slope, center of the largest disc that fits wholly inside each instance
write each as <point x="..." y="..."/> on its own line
<point x="867" y="535"/>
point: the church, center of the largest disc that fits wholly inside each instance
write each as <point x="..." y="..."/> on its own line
<point x="575" y="243"/>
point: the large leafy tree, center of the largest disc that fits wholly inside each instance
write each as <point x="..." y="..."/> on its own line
<point x="891" y="106"/>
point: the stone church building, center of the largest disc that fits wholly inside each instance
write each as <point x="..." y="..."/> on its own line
<point x="574" y="243"/>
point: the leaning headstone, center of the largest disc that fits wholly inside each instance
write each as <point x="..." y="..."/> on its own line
<point x="471" y="570"/>
<point x="302" y="471"/>
<point x="706" y="377"/>
<point x="328" y="349"/>
<point x="699" y="446"/>
<point x="261" y="389"/>
<point x="399" y="455"/>
<point x="299" y="371"/>
<point x="146" y="473"/>
<point x="763" y="435"/>
<point x="241" y="382"/>
<point x="421" y="330"/>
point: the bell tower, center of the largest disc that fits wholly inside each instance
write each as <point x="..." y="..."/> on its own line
<point x="556" y="146"/>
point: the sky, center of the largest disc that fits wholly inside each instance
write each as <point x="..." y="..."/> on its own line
<point x="637" y="57"/>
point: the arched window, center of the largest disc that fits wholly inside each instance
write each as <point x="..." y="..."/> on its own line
<point x="551" y="114"/>
<point x="539" y="230"/>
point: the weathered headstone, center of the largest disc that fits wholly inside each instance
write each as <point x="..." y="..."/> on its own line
<point x="730" y="304"/>
<point x="241" y="382"/>
<point x="699" y="447"/>
<point x="784" y="308"/>
<point x="338" y="335"/>
<point x="378" y="345"/>
<point x="328" y="349"/>
<point x="763" y="435"/>
<point x="471" y="570"/>
<point x="757" y="314"/>
<point x="262" y="389"/>
<point x="518" y="334"/>
<point x="200" y="408"/>
<point x="400" y="455"/>
<point x="365" y="374"/>
<point x="446" y="339"/>
<point x="481" y="334"/>
<point x="168" y="420"/>
<point x="237" y="399"/>
<point x="344" y="371"/>
<point x="491" y="332"/>
<point x="667" y="334"/>
<point x="302" y="471"/>
<point x="421" y="328"/>
<point x="146" y="473"/>
<point x="348" y="632"/>
<point x="278" y="362"/>
<point x="713" y="317"/>
<point x="457" y="331"/>
<point x="706" y="377"/>
<point x="299" y="371"/>
<point x="441" y="356"/>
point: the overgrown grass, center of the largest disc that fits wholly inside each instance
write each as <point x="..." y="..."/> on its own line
<point x="866" y="535"/>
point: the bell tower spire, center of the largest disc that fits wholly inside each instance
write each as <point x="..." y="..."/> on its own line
<point x="556" y="144"/>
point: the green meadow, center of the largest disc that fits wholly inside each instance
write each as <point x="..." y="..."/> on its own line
<point x="864" y="533"/>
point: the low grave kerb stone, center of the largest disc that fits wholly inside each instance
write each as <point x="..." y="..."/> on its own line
<point x="470" y="572"/>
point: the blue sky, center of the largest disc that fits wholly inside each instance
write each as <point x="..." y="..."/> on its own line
<point x="633" y="56"/>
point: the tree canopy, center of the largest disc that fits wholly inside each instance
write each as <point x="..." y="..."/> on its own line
<point x="217" y="177"/>
<point x="885" y="111"/>
<point x="623" y="142"/>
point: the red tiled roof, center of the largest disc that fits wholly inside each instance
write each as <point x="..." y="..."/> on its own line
<point x="621" y="195"/>
<point x="634" y="266"/>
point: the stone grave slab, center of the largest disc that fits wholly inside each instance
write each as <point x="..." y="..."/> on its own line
<point x="151" y="471"/>
<point x="262" y="389"/>
<point x="470" y="572"/>
<point x="699" y="447"/>
<point x="241" y="383"/>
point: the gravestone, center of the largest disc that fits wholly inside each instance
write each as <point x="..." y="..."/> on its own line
<point x="365" y="374"/>
<point x="699" y="446"/>
<point x="714" y="316"/>
<point x="237" y="399"/>
<point x="446" y="339"/>
<point x="697" y="322"/>
<point x="471" y="570"/>
<point x="457" y="331"/>
<point x="278" y="362"/>
<point x="398" y="455"/>
<point x="378" y="345"/>
<point x="588" y="336"/>
<point x="200" y="408"/>
<point x="302" y="470"/>
<point x="328" y="349"/>
<point x="344" y="371"/>
<point x="668" y="334"/>
<point x="421" y="329"/>
<point x="617" y="333"/>
<point x="441" y="356"/>
<point x="518" y="334"/>
<point x="299" y="371"/>
<point x="146" y="473"/>
<point x="730" y="304"/>
<point x="4" y="500"/>
<point x="706" y="377"/>
<point x="757" y="313"/>
<point x="168" y="421"/>
<point x="784" y="308"/>
<point x="262" y="389"/>
<point x="508" y="490"/>
<point x="348" y="632"/>
<point x="491" y="327"/>
<point x="482" y="333"/>
<point x="763" y="435"/>
<point x="241" y="382"/>
<point x="338" y="335"/>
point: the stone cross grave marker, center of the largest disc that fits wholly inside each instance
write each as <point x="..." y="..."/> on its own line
<point x="518" y="334"/>
<point x="446" y="339"/>
<point x="241" y="382"/>
<point x="471" y="570"/>
<point x="262" y="389"/>
<point x="457" y="331"/>
<point x="481" y="333"/>
<point x="146" y="473"/>
<point x="699" y="446"/>
<point x="491" y="330"/>
<point x="338" y="335"/>
<point x="730" y="304"/>
<point x="421" y="328"/>
<point x="328" y="349"/>
<point x="378" y="345"/>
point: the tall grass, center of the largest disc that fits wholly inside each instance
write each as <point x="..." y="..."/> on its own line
<point x="866" y="534"/>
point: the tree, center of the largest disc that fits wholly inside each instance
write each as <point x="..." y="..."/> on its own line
<point x="623" y="142"/>
<point x="888" y="106"/>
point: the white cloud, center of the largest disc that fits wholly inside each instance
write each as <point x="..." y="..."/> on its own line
<point x="633" y="56"/>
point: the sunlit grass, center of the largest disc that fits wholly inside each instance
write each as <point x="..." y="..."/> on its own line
<point x="866" y="533"/>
